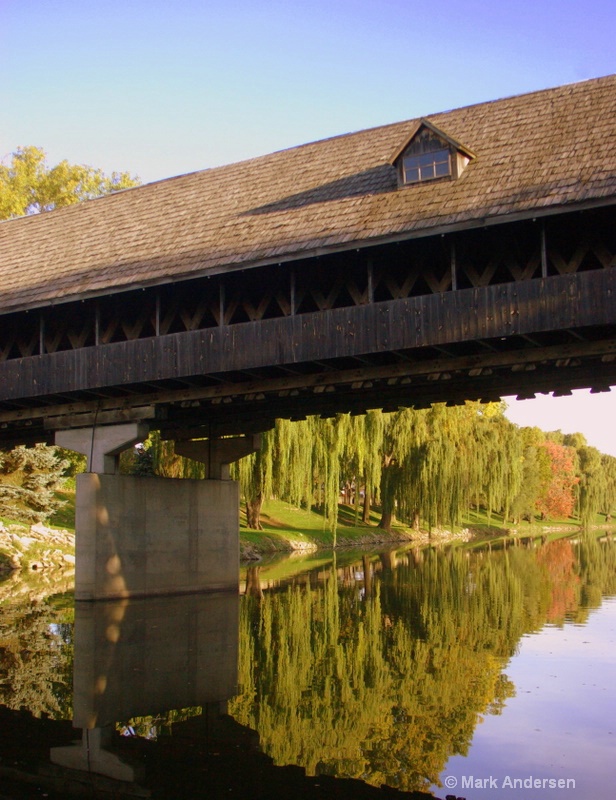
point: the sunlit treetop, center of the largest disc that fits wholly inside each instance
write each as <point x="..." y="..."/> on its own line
<point x="28" y="185"/>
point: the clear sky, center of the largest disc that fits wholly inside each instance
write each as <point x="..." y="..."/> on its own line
<point x="162" y="88"/>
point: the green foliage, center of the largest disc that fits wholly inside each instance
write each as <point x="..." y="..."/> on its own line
<point x="388" y="684"/>
<point x="36" y="660"/>
<point x="75" y="462"/>
<point x="592" y="487"/>
<point x="28" y="185"/>
<point x="608" y="503"/>
<point x="428" y="467"/>
<point x="157" y="457"/>
<point x="28" y="479"/>
<point x="424" y="467"/>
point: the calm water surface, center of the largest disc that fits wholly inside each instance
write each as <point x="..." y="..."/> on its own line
<point x="463" y="671"/>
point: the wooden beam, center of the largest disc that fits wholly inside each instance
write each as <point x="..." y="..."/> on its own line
<point x="322" y="379"/>
<point x="93" y="418"/>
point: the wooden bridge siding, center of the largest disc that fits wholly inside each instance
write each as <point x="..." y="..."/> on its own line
<point x="550" y="304"/>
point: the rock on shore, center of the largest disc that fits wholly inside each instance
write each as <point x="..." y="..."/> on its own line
<point x="36" y="548"/>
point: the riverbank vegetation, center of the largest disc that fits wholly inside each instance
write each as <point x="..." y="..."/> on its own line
<point x="413" y="470"/>
<point x="366" y="479"/>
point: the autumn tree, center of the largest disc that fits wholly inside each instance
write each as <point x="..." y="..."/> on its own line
<point x="28" y="185"/>
<point x="558" y="498"/>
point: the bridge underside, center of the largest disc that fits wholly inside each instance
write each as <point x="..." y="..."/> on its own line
<point x="519" y="308"/>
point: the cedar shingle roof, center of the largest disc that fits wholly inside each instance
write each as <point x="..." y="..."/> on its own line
<point x="535" y="152"/>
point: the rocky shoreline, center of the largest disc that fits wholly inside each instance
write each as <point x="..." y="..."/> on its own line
<point x="35" y="548"/>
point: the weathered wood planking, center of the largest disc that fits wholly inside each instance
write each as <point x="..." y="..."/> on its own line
<point x="551" y="304"/>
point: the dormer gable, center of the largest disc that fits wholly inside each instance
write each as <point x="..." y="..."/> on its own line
<point x="429" y="154"/>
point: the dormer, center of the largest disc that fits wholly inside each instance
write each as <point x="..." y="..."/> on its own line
<point x="429" y="154"/>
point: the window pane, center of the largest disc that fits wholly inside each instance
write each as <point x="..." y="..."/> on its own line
<point x="411" y="174"/>
<point x="426" y="166"/>
<point x="425" y="159"/>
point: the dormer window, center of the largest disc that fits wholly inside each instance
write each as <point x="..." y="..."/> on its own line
<point x="429" y="154"/>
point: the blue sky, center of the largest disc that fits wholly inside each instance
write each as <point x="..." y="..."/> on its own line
<point x="160" y="88"/>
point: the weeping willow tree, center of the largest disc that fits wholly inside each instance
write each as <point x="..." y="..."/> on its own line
<point x="366" y="439"/>
<point x="592" y="485"/>
<point x="327" y="463"/>
<point x="443" y="473"/>
<point x="498" y="461"/>
<point x="294" y="456"/>
<point x="609" y="486"/>
<point x="405" y="437"/>
<point x="426" y="467"/>
<point x="254" y="473"/>
<point x="435" y="462"/>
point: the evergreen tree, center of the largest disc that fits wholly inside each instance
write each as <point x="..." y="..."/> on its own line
<point x="28" y="478"/>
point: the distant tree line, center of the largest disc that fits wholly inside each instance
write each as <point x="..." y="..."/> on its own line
<point x="424" y="467"/>
<point x="429" y="467"/>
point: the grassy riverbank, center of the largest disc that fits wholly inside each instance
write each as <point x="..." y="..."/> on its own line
<point x="290" y="529"/>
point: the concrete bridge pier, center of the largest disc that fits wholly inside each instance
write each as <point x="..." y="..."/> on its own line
<point x="144" y="536"/>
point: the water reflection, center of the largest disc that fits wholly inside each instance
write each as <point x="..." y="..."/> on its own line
<point x="384" y="671"/>
<point x="142" y="658"/>
<point x="369" y="668"/>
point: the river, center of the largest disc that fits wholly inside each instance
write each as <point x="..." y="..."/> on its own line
<point x="476" y="672"/>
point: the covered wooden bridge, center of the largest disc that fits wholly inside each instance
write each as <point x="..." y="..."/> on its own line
<point x="465" y="255"/>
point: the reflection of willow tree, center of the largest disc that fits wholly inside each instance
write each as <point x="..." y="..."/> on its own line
<point x="350" y="688"/>
<point x="597" y="568"/>
<point x="388" y="688"/>
<point x="36" y="660"/>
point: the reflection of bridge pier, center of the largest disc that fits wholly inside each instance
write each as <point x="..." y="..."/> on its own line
<point x="142" y="658"/>
<point x="141" y="536"/>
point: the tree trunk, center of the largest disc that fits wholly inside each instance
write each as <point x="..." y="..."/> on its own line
<point x="253" y="582"/>
<point x="253" y="512"/>
<point x="387" y="494"/>
<point x="386" y="518"/>
<point x="415" y="520"/>
<point x="366" y="512"/>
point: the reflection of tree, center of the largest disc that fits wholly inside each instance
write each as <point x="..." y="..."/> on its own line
<point x="558" y="558"/>
<point x="387" y="687"/>
<point x="349" y="688"/>
<point x="597" y="566"/>
<point x="36" y="660"/>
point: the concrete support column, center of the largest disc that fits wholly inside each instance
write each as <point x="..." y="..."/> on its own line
<point x="142" y="537"/>
<point x="102" y="445"/>
<point x="218" y="454"/>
